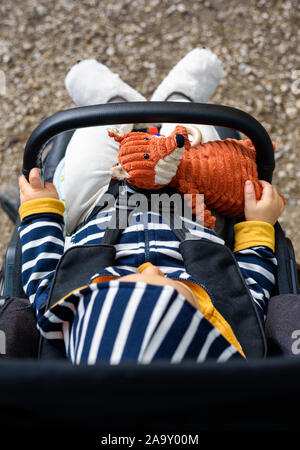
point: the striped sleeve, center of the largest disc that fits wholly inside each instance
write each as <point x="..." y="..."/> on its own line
<point x="254" y="252"/>
<point x="42" y="243"/>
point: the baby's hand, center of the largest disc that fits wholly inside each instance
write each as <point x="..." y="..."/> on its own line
<point x="34" y="188"/>
<point x="268" y="208"/>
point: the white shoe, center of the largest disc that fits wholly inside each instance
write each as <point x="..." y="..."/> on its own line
<point x="91" y="83"/>
<point x="196" y="76"/>
<point x="193" y="79"/>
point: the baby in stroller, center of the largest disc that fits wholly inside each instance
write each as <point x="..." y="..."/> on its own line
<point x="146" y="306"/>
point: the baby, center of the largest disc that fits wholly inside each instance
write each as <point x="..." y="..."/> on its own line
<point x="147" y="306"/>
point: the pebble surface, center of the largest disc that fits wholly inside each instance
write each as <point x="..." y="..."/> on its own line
<point x="257" y="41"/>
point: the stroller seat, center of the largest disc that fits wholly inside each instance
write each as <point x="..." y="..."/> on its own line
<point x="158" y="401"/>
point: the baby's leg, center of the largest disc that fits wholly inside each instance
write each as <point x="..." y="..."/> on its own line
<point x="89" y="157"/>
<point x="208" y="132"/>
<point x="193" y="79"/>
<point x="91" y="152"/>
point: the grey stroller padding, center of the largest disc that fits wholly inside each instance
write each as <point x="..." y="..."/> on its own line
<point x="19" y="334"/>
<point x="282" y="326"/>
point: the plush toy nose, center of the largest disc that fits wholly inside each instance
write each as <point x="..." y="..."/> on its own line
<point x="180" y="140"/>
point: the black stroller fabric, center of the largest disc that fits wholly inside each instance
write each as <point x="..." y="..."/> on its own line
<point x="258" y="395"/>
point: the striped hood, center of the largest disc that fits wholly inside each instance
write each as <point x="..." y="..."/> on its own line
<point x="116" y="321"/>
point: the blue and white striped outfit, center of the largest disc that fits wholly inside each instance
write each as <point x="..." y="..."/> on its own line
<point x="136" y="321"/>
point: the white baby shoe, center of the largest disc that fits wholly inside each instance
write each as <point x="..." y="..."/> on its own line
<point x="193" y="79"/>
<point x="196" y="76"/>
<point x="91" y="83"/>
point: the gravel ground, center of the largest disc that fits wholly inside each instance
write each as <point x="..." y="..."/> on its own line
<point x="258" y="42"/>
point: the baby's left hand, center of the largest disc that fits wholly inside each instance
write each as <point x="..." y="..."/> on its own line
<point x="268" y="208"/>
<point x="34" y="188"/>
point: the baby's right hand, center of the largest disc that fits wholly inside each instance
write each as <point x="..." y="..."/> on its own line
<point x="268" y="208"/>
<point x="34" y="188"/>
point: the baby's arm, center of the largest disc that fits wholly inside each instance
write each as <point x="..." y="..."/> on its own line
<point x="41" y="234"/>
<point x="255" y="243"/>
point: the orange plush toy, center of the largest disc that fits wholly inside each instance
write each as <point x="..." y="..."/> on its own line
<point x="217" y="169"/>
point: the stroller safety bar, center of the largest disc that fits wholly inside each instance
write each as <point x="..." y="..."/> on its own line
<point x="152" y="112"/>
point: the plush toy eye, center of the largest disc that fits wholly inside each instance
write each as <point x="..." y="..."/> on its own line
<point x="146" y="139"/>
<point x="146" y="156"/>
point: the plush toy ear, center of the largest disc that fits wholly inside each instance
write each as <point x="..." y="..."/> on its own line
<point x="118" y="133"/>
<point x="115" y="133"/>
<point x="179" y="129"/>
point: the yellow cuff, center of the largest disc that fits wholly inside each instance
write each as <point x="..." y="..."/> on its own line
<point x="41" y="205"/>
<point x="253" y="233"/>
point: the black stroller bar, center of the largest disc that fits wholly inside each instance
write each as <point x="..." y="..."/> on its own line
<point x="152" y="112"/>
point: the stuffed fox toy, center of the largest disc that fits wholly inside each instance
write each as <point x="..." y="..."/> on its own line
<point x="218" y="169"/>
